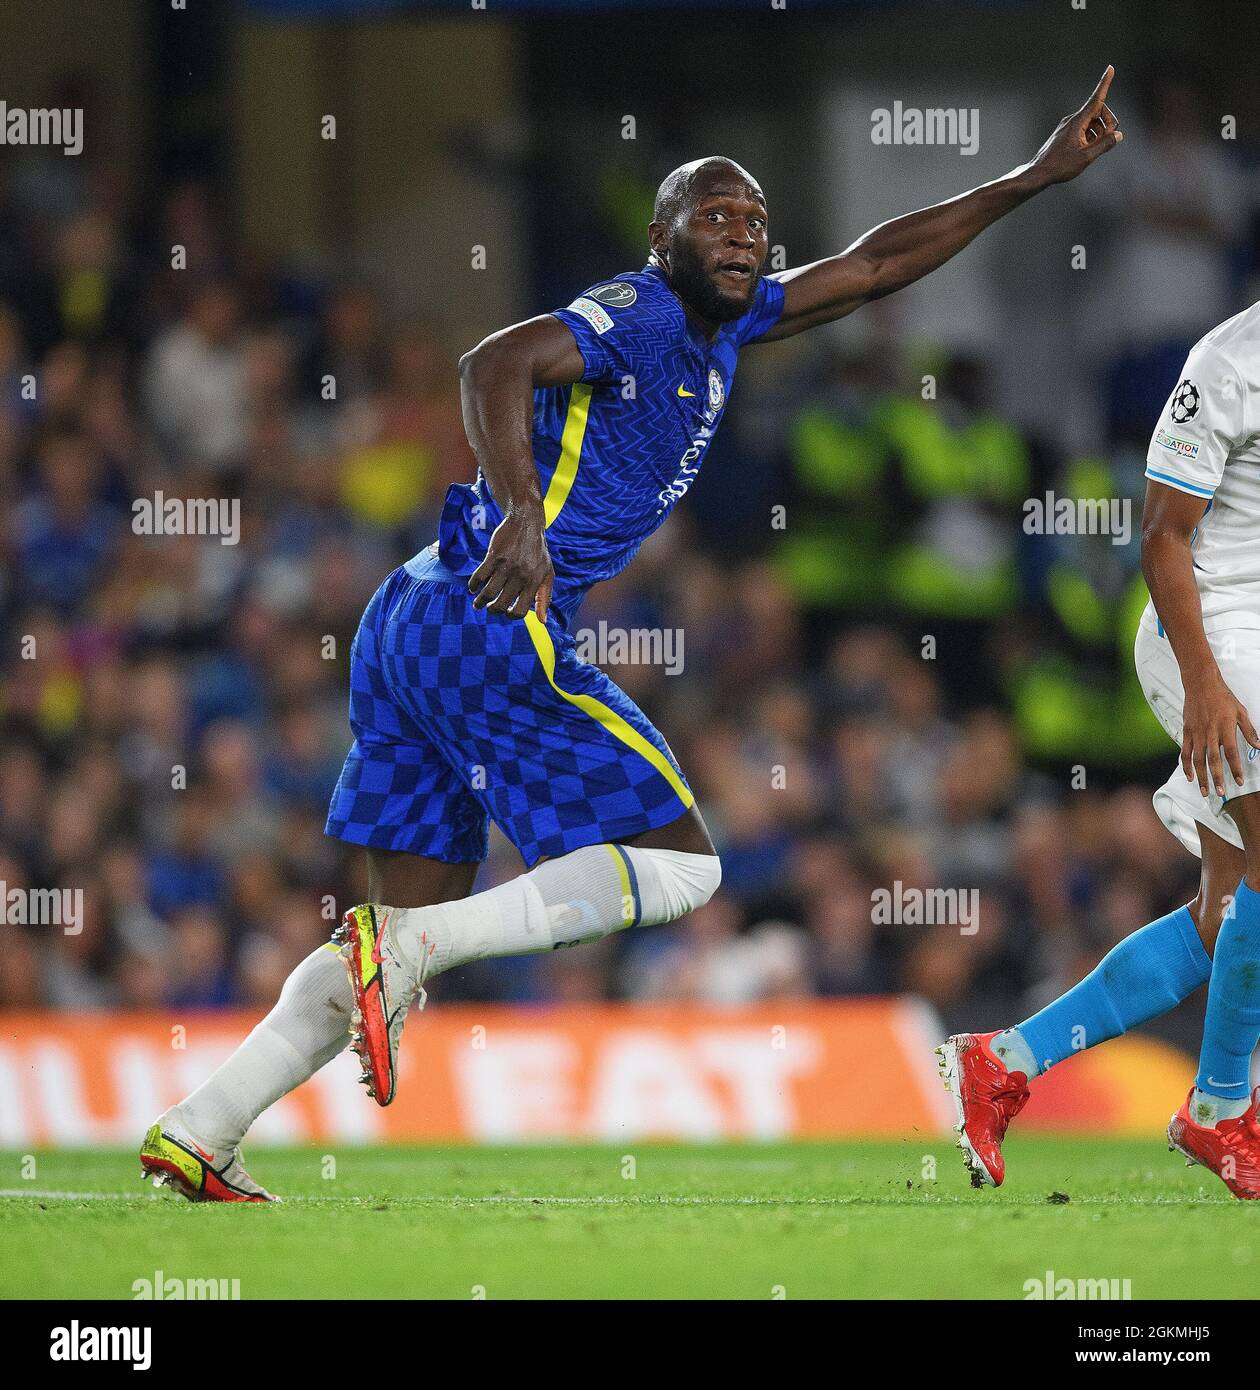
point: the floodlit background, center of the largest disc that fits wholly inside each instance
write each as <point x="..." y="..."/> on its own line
<point x="899" y="686"/>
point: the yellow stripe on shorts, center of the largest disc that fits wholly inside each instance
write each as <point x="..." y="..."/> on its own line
<point x="600" y="712"/>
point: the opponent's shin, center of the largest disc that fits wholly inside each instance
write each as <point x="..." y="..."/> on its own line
<point x="1146" y="974"/>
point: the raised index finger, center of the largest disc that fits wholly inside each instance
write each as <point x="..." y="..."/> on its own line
<point x="1099" y="95"/>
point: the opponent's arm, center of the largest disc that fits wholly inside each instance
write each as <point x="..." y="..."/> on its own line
<point x="1212" y="713"/>
<point x="496" y="382"/>
<point x="897" y="253"/>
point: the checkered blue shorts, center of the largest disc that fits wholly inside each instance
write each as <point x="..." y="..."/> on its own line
<point x="459" y="715"/>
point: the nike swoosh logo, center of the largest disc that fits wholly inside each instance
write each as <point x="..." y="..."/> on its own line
<point x="682" y="391"/>
<point x="208" y="1157"/>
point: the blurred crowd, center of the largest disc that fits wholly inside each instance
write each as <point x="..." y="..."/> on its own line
<point x="173" y="709"/>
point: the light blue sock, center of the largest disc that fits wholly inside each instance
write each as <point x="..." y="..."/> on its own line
<point x="1231" y="1027"/>
<point x="1145" y="975"/>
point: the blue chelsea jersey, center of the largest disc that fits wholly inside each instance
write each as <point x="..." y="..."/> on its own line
<point x="618" y="449"/>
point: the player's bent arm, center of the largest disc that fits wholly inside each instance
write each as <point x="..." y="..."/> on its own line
<point x="897" y="253"/>
<point x="496" y="382"/>
<point x="1211" y="714"/>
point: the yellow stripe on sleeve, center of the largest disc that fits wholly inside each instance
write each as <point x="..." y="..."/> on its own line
<point x="570" y="452"/>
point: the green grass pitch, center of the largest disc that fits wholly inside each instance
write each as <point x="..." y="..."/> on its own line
<point x="805" y="1220"/>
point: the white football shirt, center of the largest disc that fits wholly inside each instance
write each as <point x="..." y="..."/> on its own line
<point x="1207" y="443"/>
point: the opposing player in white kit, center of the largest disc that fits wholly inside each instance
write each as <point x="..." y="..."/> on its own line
<point x="1198" y="658"/>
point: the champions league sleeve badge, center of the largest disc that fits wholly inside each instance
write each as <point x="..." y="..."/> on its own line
<point x="1185" y="402"/>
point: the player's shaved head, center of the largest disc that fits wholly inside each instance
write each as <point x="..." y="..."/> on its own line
<point x="686" y="185"/>
<point x="708" y="235"/>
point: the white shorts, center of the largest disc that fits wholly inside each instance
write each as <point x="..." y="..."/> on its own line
<point x="1178" y="803"/>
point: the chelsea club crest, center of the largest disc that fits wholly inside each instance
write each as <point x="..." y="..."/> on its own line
<point x="717" y="392"/>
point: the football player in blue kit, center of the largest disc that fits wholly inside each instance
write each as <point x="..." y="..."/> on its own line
<point x="468" y="702"/>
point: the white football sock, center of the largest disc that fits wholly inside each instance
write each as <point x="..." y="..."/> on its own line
<point x="307" y="1028"/>
<point x="581" y="896"/>
<point x="1015" y="1053"/>
<point x="1208" y="1110"/>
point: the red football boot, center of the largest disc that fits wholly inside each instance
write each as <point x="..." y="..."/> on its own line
<point x="987" y="1098"/>
<point x="1230" y="1148"/>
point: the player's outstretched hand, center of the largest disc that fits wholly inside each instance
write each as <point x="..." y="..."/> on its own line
<point x="1080" y="138"/>
<point x="1211" y="719"/>
<point x="516" y="574"/>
